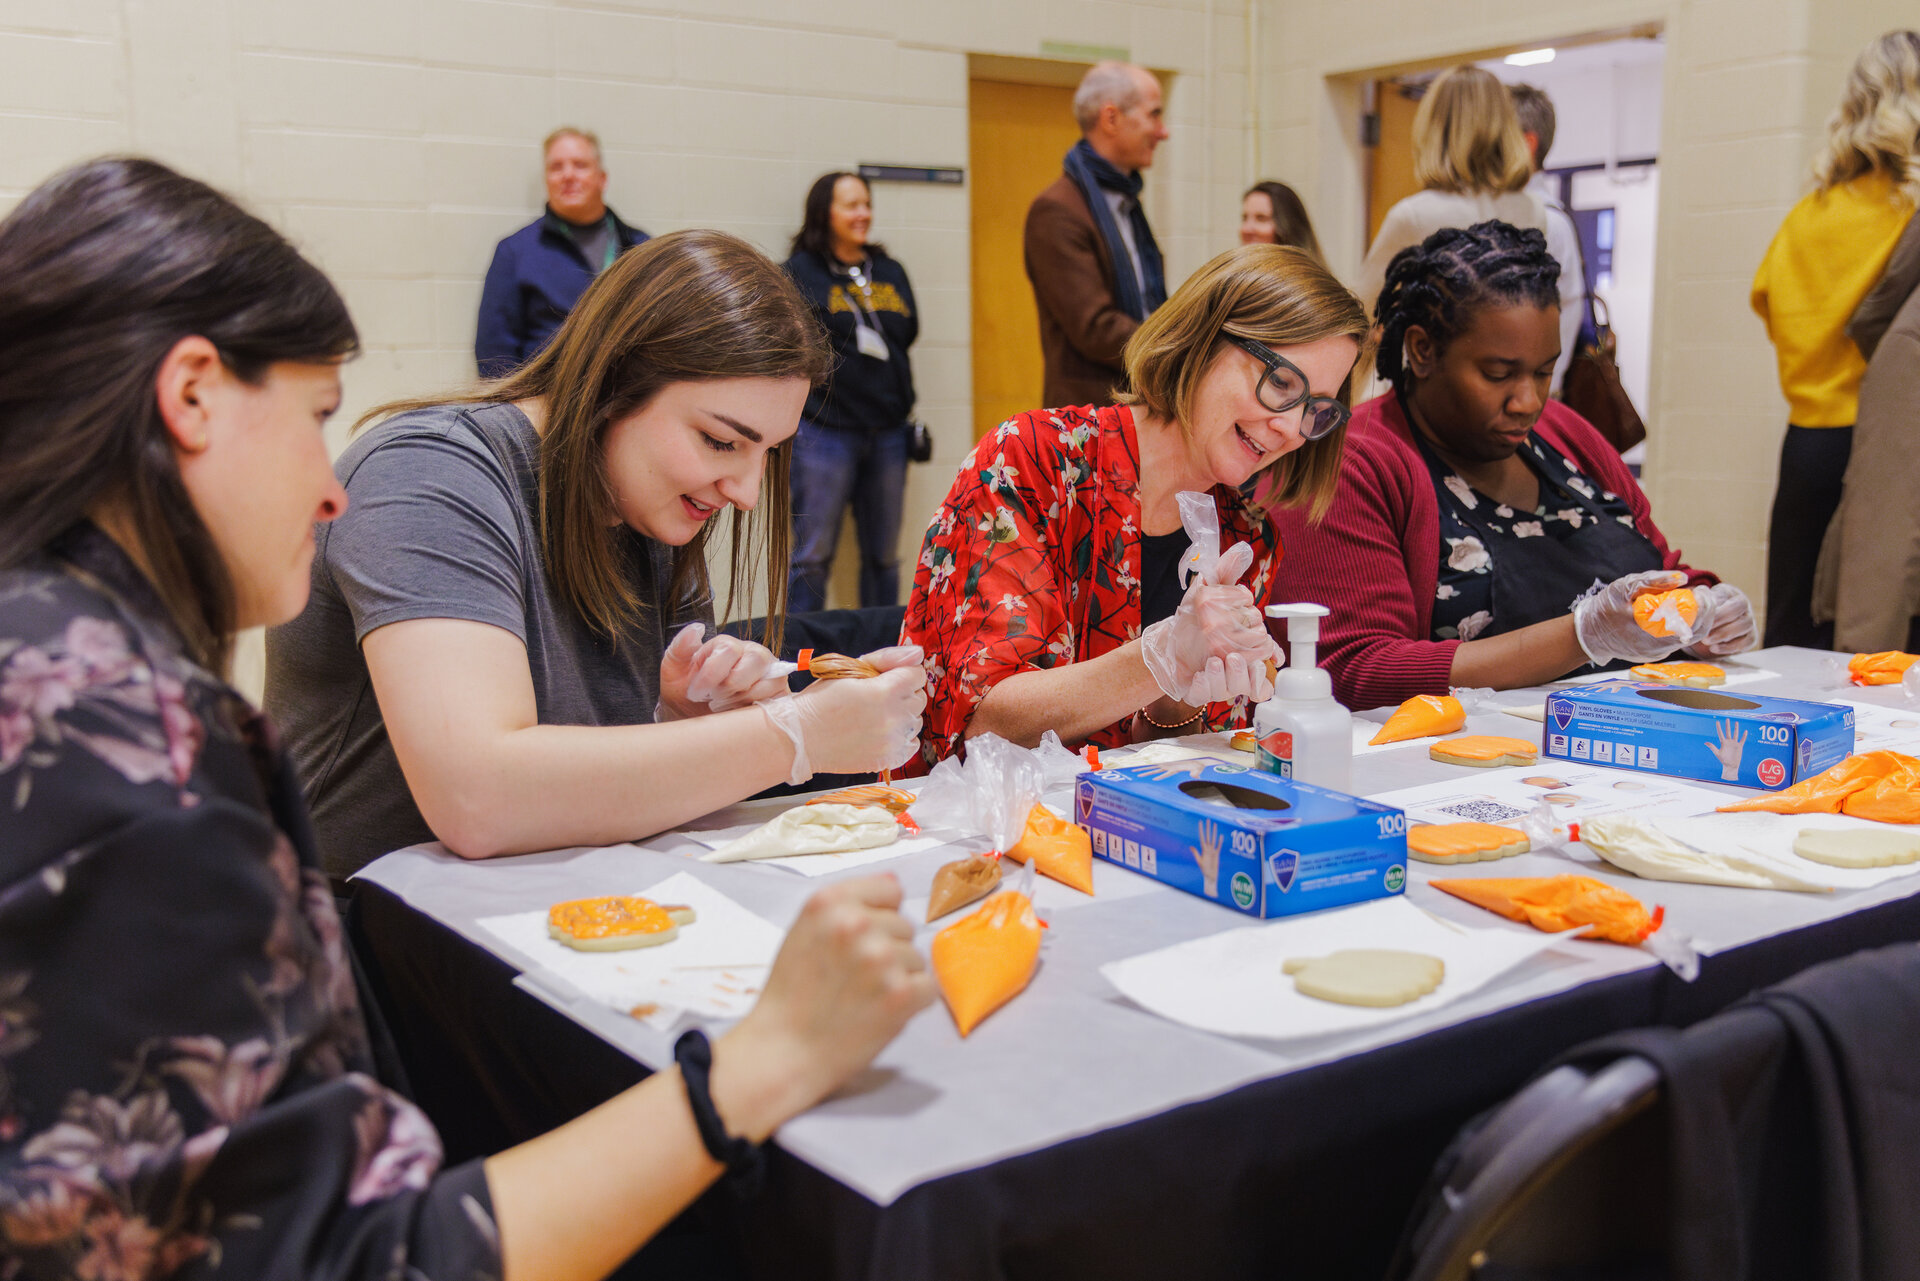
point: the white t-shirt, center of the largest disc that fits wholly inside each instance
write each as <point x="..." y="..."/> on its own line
<point x="1563" y="242"/>
<point x="1424" y="212"/>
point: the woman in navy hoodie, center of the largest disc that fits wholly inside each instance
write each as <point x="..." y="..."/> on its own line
<point x="854" y="434"/>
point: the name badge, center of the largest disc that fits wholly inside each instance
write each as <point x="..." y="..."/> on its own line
<point x="869" y="341"/>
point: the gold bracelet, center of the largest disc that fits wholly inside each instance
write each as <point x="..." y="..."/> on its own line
<point x="1176" y="725"/>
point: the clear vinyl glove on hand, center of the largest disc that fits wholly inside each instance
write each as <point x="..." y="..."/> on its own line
<point x="1726" y="624"/>
<point x="855" y="726"/>
<point x="1216" y="645"/>
<point x="1604" y="622"/>
<point x="700" y="674"/>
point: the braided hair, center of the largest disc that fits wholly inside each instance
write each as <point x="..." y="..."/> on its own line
<point x="1440" y="283"/>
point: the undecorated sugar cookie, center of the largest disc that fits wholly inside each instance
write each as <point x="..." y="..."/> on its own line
<point x="1484" y="751"/>
<point x="1856" y="847"/>
<point x="616" y="923"/>
<point x="1367" y="976"/>
<point x="1465" y="842"/>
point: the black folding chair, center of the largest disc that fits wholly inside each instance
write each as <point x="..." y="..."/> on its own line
<point x="1564" y="1181"/>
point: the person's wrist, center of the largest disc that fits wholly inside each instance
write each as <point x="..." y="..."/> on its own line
<point x="761" y="1079"/>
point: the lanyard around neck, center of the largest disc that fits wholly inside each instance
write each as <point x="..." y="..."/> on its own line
<point x="869" y="314"/>
<point x="613" y="243"/>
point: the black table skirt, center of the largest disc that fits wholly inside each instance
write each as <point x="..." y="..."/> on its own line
<point x="1310" y="1175"/>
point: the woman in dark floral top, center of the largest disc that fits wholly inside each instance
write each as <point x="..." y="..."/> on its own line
<point x="1055" y="558"/>
<point x="185" y="1086"/>
<point x="1475" y="515"/>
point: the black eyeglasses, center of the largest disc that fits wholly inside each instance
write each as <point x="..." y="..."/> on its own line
<point x="1283" y="387"/>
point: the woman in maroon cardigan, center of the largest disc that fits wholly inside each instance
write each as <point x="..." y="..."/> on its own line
<point x="1483" y="535"/>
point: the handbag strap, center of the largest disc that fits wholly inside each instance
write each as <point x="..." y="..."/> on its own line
<point x="1603" y="341"/>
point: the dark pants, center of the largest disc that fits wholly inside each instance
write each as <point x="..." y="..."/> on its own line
<point x="1813" y="462"/>
<point x="830" y="470"/>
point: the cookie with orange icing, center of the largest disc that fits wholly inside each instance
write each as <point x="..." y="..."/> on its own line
<point x="1485" y="751"/>
<point x="1693" y="675"/>
<point x="1465" y="842"/>
<point x="890" y="799"/>
<point x="1657" y="612"/>
<point x="616" y="923"/>
<point x="1422" y="716"/>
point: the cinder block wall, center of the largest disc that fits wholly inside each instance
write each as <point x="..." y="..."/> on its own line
<point x="1749" y="85"/>
<point x="396" y="140"/>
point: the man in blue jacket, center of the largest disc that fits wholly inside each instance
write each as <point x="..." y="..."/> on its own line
<point x="541" y="270"/>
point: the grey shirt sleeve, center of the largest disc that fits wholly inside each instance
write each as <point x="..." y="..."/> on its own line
<point x="430" y="531"/>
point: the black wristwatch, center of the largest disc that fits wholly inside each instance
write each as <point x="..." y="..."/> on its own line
<point x="746" y="1163"/>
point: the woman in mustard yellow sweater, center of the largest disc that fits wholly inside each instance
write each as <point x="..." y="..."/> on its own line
<point x="1826" y="256"/>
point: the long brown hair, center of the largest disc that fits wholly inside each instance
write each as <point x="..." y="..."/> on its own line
<point x="690" y="306"/>
<point x="103" y="269"/>
<point x="1279" y="295"/>
<point x="1291" y="226"/>
<point x="816" y="218"/>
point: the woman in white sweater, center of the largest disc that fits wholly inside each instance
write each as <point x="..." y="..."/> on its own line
<point x="1472" y="162"/>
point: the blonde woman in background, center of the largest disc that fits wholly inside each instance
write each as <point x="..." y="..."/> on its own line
<point x="1828" y="253"/>
<point x="1472" y="162"/>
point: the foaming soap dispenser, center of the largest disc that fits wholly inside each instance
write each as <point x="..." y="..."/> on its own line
<point x="1303" y="734"/>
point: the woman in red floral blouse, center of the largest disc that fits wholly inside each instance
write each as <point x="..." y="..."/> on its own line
<point x="1060" y="542"/>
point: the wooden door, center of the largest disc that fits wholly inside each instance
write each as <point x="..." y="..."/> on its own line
<point x="1390" y="171"/>
<point x="1017" y="135"/>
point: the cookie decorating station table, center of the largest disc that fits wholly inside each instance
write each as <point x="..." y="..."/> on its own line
<point x="1074" y="1134"/>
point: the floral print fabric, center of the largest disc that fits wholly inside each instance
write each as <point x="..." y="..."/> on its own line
<point x="185" y="1086"/>
<point x="1473" y="529"/>
<point x="1033" y="561"/>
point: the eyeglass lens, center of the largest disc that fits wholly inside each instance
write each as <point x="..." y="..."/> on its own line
<point x="1321" y="418"/>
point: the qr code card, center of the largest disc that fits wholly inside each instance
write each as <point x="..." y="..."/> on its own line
<point x="1574" y="792"/>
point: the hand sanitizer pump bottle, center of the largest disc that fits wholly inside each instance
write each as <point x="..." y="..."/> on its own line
<point x="1303" y="734"/>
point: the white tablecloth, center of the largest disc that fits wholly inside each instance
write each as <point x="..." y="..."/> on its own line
<point x="1070" y="1056"/>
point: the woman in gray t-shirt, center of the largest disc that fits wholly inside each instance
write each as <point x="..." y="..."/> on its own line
<point x="506" y="643"/>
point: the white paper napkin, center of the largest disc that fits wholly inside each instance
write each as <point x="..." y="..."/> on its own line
<point x="820" y="864"/>
<point x="1364" y="730"/>
<point x="1770" y="837"/>
<point x="1231" y="983"/>
<point x="1880" y="728"/>
<point x="714" y="969"/>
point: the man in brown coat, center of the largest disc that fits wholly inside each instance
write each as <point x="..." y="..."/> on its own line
<point x="1095" y="267"/>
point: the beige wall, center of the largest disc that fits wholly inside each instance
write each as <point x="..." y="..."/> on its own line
<point x="395" y="140"/>
<point x="1749" y="84"/>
